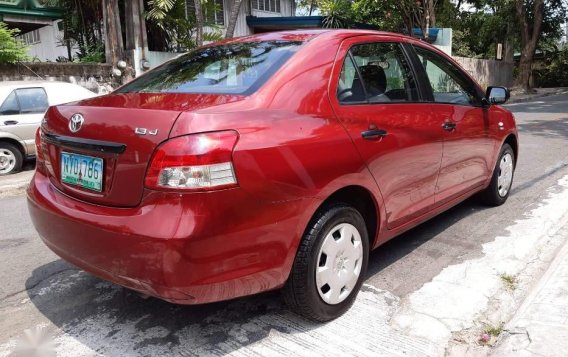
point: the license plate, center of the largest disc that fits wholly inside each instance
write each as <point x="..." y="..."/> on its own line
<point x="83" y="171"/>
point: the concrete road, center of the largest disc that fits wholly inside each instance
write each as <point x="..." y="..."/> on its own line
<point x="85" y="316"/>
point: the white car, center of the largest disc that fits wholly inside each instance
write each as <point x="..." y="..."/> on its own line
<point x="22" y="106"/>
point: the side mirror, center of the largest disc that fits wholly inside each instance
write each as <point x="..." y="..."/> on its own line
<point x="497" y="95"/>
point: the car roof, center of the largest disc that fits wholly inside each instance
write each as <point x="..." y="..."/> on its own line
<point x="307" y="35"/>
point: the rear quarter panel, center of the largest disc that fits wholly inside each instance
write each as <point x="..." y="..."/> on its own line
<point x="291" y="147"/>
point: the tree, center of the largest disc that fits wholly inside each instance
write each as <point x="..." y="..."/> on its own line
<point x="198" y="23"/>
<point x="233" y="18"/>
<point x="114" y="45"/>
<point x="11" y="49"/>
<point x="530" y="34"/>
<point x="82" y="28"/>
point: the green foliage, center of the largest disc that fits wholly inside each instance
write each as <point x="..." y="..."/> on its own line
<point x="92" y="54"/>
<point x="383" y="14"/>
<point x="554" y="73"/>
<point x="337" y="13"/>
<point x="82" y="27"/>
<point x="169" y="16"/>
<point x="478" y="30"/>
<point x="11" y="49"/>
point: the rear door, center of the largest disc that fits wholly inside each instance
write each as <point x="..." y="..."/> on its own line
<point x="468" y="144"/>
<point x="375" y="94"/>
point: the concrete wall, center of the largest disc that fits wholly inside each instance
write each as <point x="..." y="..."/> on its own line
<point x="488" y="72"/>
<point x="444" y="40"/>
<point x="95" y="77"/>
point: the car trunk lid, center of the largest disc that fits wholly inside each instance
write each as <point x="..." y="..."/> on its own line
<point x="121" y="129"/>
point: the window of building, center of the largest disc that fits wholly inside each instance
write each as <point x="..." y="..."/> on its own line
<point x="266" y="5"/>
<point x="30" y="38"/>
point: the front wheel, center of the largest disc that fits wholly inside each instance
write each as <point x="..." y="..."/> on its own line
<point x="330" y="264"/>
<point x="501" y="181"/>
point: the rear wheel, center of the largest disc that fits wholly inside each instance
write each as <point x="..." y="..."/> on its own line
<point x="330" y="264"/>
<point x="11" y="159"/>
<point x="501" y="181"/>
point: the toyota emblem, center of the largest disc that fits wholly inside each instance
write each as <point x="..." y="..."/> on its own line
<point x="76" y="122"/>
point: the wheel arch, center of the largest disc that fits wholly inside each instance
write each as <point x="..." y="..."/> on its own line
<point x="15" y="142"/>
<point x="363" y="201"/>
<point x="512" y="140"/>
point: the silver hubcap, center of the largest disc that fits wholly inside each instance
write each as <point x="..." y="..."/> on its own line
<point x="339" y="263"/>
<point x="7" y="161"/>
<point x="505" y="174"/>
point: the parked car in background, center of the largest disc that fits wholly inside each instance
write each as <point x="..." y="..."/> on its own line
<point x="22" y="107"/>
<point x="265" y="162"/>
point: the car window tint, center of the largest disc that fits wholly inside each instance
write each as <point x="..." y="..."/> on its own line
<point x="385" y="73"/>
<point x="10" y="105"/>
<point x="32" y="100"/>
<point x="238" y="68"/>
<point x="448" y="84"/>
<point x="350" y="88"/>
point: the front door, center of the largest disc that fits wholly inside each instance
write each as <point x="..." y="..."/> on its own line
<point x="468" y="145"/>
<point x="375" y="94"/>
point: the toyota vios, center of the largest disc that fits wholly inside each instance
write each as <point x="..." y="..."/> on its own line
<point x="265" y="162"/>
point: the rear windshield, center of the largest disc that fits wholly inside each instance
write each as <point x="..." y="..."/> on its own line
<point x="238" y="68"/>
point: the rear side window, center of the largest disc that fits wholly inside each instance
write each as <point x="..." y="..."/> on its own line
<point x="32" y="100"/>
<point x="238" y="68"/>
<point x="10" y="105"/>
<point x="376" y="73"/>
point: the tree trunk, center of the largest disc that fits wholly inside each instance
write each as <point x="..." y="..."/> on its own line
<point x="431" y="11"/>
<point x="113" y="32"/>
<point x="233" y="18"/>
<point x="528" y="40"/>
<point x="198" y="23"/>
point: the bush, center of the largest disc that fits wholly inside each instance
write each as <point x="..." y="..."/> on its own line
<point x="11" y="49"/>
<point x="555" y="72"/>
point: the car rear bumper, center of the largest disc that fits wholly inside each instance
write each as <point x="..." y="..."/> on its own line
<point x="185" y="249"/>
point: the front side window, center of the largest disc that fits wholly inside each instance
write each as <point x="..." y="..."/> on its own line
<point x="10" y="105"/>
<point x="376" y="73"/>
<point x="448" y="84"/>
<point x="32" y="100"/>
<point x="238" y="68"/>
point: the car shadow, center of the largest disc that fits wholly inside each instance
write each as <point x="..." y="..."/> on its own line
<point x="104" y="316"/>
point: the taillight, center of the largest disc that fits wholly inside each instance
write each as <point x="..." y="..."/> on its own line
<point x="194" y="162"/>
<point x="40" y="162"/>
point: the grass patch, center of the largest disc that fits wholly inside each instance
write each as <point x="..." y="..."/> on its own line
<point x="509" y="281"/>
<point x="494" y="331"/>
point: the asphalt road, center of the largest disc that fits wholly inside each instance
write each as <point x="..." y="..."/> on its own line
<point x="92" y="317"/>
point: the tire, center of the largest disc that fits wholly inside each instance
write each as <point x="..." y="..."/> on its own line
<point x="301" y="292"/>
<point x="11" y="159"/>
<point x="500" y="187"/>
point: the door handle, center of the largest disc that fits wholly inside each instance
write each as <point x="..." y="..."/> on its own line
<point x="449" y="126"/>
<point x="10" y="122"/>
<point x="373" y="134"/>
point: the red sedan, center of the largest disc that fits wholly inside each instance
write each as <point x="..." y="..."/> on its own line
<point x="272" y="161"/>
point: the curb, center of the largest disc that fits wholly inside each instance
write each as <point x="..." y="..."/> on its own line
<point x="536" y="96"/>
